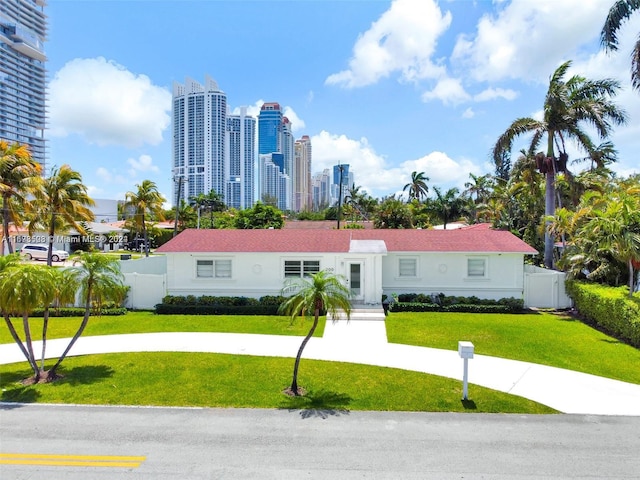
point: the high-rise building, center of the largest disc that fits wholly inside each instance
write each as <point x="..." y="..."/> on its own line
<point x="340" y="175"/>
<point x="23" y="28"/>
<point x="199" y="139"/>
<point x="274" y="185"/>
<point x="269" y="128"/>
<point x="321" y="190"/>
<point x="241" y="144"/>
<point x="302" y="193"/>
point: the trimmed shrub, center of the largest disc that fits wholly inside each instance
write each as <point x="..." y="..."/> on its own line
<point x="608" y="308"/>
<point x="412" y="302"/>
<point x="79" y="312"/>
<point x="212" y="305"/>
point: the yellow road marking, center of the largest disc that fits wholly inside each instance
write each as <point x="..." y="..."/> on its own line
<point x="71" y="460"/>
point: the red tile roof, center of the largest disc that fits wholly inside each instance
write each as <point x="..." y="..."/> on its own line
<point x="476" y="238"/>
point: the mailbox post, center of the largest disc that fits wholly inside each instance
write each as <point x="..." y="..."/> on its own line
<point x="465" y="350"/>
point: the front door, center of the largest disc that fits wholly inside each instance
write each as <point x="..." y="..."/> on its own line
<point x="355" y="281"/>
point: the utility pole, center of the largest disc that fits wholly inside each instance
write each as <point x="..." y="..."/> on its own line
<point x="180" y="179"/>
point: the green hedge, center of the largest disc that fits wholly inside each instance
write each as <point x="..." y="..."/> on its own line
<point x="418" y="302"/>
<point x="79" y="312"/>
<point x="211" y="305"/>
<point x="608" y="308"/>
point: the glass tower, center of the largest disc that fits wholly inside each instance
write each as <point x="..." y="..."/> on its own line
<point x="23" y="28"/>
<point x="270" y="128"/>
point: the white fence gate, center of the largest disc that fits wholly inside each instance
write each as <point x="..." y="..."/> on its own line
<point x="146" y="290"/>
<point x="545" y="288"/>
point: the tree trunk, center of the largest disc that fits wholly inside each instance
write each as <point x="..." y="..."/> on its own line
<point x="15" y="336"/>
<point x="29" y="342"/>
<point x="631" y="277"/>
<point x="83" y="324"/>
<point x="144" y="236"/>
<point x="5" y="225"/>
<point x="294" y="382"/>
<point x="52" y="230"/>
<point x="549" y="204"/>
<point x="45" y="326"/>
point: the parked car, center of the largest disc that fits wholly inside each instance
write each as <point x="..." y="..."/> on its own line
<point x="39" y="252"/>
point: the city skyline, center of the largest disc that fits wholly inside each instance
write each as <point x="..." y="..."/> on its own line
<point x="388" y="87"/>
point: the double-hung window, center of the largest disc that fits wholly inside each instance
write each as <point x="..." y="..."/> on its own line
<point x="213" y="268"/>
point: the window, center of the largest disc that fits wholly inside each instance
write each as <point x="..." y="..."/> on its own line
<point x="476" y="267"/>
<point x="299" y="268"/>
<point x="213" y="268"/>
<point x="407" y="267"/>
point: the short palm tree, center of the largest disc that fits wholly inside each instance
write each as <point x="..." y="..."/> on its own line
<point x="618" y="14"/>
<point x="318" y="292"/>
<point x="19" y="176"/>
<point x="448" y="206"/>
<point x="62" y="203"/>
<point x="146" y="201"/>
<point x="568" y="106"/>
<point x="99" y="279"/>
<point x="417" y="186"/>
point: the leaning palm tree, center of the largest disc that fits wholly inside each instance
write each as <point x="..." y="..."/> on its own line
<point x="417" y="186"/>
<point x="569" y="106"/>
<point x="99" y="279"/>
<point x="320" y="291"/>
<point x="62" y="203"/>
<point x="618" y="14"/>
<point x="19" y="176"/>
<point x="147" y="200"/>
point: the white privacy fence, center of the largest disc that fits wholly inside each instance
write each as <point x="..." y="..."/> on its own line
<point x="545" y="288"/>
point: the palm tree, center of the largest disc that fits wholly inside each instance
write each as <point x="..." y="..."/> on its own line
<point x="99" y="279"/>
<point x="61" y="203"/>
<point x="618" y="14"/>
<point x="320" y="291"/>
<point x="417" y="186"/>
<point x="19" y="175"/>
<point x="448" y="206"/>
<point x="24" y="288"/>
<point x="146" y="200"/>
<point x="567" y="106"/>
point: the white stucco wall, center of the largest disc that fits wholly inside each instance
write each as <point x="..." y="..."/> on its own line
<point x="447" y="273"/>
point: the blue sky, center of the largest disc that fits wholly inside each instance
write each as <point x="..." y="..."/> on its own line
<point x="387" y="86"/>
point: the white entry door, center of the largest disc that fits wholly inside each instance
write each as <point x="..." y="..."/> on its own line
<point x="356" y="278"/>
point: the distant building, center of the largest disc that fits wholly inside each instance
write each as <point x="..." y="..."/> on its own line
<point x="340" y="173"/>
<point x="302" y="192"/>
<point x="241" y="176"/>
<point x="321" y="190"/>
<point x="199" y="139"/>
<point x="23" y="29"/>
<point x="274" y="184"/>
<point x="269" y="128"/>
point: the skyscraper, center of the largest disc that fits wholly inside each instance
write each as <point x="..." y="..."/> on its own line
<point x="269" y="128"/>
<point x="241" y="140"/>
<point x="302" y="193"/>
<point x="199" y="139"/>
<point x="23" y="28"/>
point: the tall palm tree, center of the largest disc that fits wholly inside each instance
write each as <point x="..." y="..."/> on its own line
<point x="618" y="14"/>
<point x="417" y="186"/>
<point x="19" y="176"/>
<point x="62" y="203"/>
<point x="99" y="279"/>
<point x="146" y="200"/>
<point x="320" y="291"/>
<point x="568" y="106"/>
<point x="447" y="206"/>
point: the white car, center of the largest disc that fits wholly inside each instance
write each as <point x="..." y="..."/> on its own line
<point x="39" y="252"/>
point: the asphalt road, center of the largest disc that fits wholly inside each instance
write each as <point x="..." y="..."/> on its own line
<point x="91" y="443"/>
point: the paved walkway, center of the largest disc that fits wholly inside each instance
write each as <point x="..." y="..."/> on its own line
<point x="365" y="342"/>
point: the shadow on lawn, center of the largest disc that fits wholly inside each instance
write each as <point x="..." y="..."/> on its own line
<point x="321" y="404"/>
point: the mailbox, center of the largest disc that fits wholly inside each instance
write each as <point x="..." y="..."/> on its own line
<point x="465" y="349"/>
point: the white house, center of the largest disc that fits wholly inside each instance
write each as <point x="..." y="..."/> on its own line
<point x="475" y="260"/>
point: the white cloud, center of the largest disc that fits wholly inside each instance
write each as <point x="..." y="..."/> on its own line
<point x="375" y="175"/>
<point x="468" y="113"/>
<point x="493" y="93"/>
<point x="110" y="178"/>
<point x="529" y="39"/>
<point x="144" y="163"/>
<point x="448" y="90"/>
<point x="107" y="104"/>
<point x="402" y="40"/>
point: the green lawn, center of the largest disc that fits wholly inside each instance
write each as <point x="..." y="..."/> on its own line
<point x="216" y="380"/>
<point x="145" y="322"/>
<point x="546" y="338"/>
